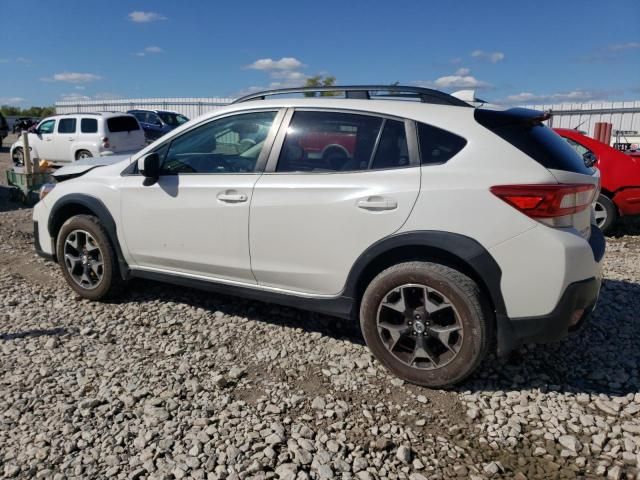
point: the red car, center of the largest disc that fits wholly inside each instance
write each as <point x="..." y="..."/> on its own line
<point x="620" y="177"/>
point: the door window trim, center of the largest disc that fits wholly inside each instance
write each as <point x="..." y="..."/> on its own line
<point x="409" y="127"/>
<point x="132" y="168"/>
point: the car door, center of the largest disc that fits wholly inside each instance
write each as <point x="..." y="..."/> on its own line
<point x="195" y="219"/>
<point x="336" y="183"/>
<point x="42" y="141"/>
<point x="65" y="140"/>
<point x="153" y="126"/>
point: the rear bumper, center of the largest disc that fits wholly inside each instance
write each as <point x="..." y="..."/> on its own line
<point x="578" y="298"/>
<point x="556" y="325"/>
<point x="628" y="201"/>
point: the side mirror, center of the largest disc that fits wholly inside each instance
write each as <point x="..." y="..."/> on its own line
<point x="589" y="159"/>
<point x="149" y="166"/>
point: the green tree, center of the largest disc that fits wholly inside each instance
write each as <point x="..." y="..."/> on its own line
<point x="10" y="110"/>
<point x="320" y="81"/>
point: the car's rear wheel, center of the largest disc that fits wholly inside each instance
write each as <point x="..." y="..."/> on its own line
<point x="606" y="213"/>
<point x="87" y="258"/>
<point x="80" y="154"/>
<point x="425" y="323"/>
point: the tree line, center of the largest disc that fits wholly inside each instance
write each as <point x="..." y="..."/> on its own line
<point x="38" y="112"/>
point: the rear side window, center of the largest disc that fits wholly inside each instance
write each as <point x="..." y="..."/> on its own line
<point x="67" y="125"/>
<point x="89" y="125"/>
<point x="392" y="148"/>
<point x="122" y="124"/>
<point x="342" y="142"/>
<point x="579" y="148"/>
<point x="437" y="145"/>
<point x="523" y="129"/>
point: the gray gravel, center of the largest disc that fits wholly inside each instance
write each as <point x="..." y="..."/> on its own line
<point x="176" y="383"/>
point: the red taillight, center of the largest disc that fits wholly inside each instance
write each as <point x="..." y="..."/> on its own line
<point x="547" y="201"/>
<point x="105" y="142"/>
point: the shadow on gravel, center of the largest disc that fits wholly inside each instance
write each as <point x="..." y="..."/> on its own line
<point x="7" y="205"/>
<point x="626" y="226"/>
<point x="142" y="290"/>
<point x="54" y="332"/>
<point x="603" y="358"/>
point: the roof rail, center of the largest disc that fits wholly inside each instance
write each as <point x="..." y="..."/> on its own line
<point x="425" y="95"/>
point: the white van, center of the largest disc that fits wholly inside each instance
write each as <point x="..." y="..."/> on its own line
<point x="66" y="138"/>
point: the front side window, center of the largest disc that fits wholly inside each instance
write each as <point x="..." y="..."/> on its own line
<point x="173" y="119"/>
<point x="329" y="142"/>
<point x="46" y="126"/>
<point x="67" y="125"/>
<point x="437" y="145"/>
<point x="228" y="145"/>
<point x="89" y="125"/>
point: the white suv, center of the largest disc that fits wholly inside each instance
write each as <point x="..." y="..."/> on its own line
<point x="444" y="229"/>
<point x="67" y="138"/>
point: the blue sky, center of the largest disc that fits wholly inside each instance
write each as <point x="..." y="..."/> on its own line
<point x="512" y="51"/>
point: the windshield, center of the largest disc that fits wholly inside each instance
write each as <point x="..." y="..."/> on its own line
<point x="173" y="119"/>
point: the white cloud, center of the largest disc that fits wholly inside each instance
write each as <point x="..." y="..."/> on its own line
<point x="572" y="96"/>
<point x="4" y="60"/>
<point x="11" y="100"/>
<point x="145" y="17"/>
<point x="73" y="77"/>
<point x="73" y="97"/>
<point x="268" y="64"/>
<point x="77" y="97"/>
<point x="23" y="60"/>
<point x="79" y="87"/>
<point x="493" y="57"/>
<point x="624" y="46"/>
<point x="461" y="79"/>
<point x="151" y="49"/>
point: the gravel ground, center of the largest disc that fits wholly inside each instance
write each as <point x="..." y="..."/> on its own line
<point x="175" y="383"/>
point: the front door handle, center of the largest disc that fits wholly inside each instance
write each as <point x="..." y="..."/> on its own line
<point x="377" y="204"/>
<point x="232" y="196"/>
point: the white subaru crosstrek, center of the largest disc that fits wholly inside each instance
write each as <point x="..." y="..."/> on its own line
<point x="446" y="230"/>
<point x="66" y="138"/>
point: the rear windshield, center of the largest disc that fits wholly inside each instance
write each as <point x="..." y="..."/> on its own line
<point x="122" y="124"/>
<point x="524" y="131"/>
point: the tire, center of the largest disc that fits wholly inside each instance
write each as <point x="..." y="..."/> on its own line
<point x="102" y="283"/>
<point x="460" y="307"/>
<point x="83" y="154"/>
<point x="606" y="213"/>
<point x="18" y="157"/>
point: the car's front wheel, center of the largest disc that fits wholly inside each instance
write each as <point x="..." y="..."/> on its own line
<point x="87" y="258"/>
<point x="425" y="323"/>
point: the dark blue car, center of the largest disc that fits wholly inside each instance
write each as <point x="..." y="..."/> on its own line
<point x="156" y="123"/>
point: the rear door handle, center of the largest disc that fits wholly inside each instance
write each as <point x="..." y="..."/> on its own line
<point x="377" y="204"/>
<point x="232" y="196"/>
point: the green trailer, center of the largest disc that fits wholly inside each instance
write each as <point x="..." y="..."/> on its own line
<point x="25" y="186"/>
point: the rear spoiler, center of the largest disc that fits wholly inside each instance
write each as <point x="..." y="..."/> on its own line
<point x="500" y="118"/>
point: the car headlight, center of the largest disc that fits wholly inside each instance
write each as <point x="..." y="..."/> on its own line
<point x="45" y="189"/>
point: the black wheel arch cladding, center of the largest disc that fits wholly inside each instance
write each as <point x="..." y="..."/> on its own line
<point x="60" y="212"/>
